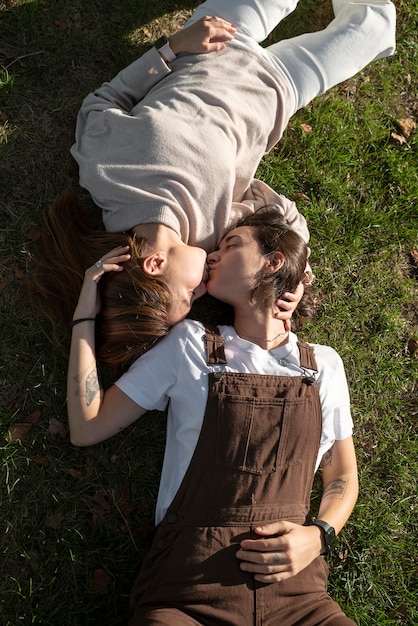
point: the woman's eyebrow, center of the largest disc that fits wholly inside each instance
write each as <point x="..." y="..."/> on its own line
<point x="228" y="238"/>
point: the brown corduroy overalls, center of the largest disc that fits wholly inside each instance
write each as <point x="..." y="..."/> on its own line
<point x="253" y="464"/>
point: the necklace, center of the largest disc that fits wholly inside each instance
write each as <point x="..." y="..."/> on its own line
<point x="262" y="338"/>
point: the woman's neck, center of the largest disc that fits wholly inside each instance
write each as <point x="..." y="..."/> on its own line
<point x="263" y="329"/>
<point x="159" y="235"/>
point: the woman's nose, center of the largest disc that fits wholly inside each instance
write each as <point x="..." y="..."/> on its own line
<point x="212" y="257"/>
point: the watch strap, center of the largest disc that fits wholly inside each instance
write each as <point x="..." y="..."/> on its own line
<point x="329" y="534"/>
<point x="163" y="47"/>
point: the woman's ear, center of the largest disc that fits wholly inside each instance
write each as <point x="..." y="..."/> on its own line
<point x="275" y="262"/>
<point x="155" y="264"/>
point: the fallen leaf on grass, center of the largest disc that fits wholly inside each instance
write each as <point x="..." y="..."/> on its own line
<point x="61" y="25"/>
<point x="19" y="430"/>
<point x="57" y="428"/>
<point x="406" y="126"/>
<point x="99" y="582"/>
<point x="412" y="347"/>
<point x="32" y="418"/>
<point x="75" y="473"/>
<point x="343" y="555"/>
<point x="400" y="139"/>
<point x="301" y="196"/>
<point x="306" y="128"/>
<point x="54" y="521"/>
<point x="41" y="460"/>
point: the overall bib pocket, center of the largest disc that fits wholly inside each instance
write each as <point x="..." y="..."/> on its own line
<point x="261" y="435"/>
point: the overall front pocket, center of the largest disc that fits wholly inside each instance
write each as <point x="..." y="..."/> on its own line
<point x="260" y="435"/>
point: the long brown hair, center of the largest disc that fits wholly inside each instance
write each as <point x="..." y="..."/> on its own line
<point x="274" y="235"/>
<point x="133" y="306"/>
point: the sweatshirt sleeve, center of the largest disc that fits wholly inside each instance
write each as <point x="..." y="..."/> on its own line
<point x="122" y="93"/>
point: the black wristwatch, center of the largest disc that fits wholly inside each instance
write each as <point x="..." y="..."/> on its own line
<point x="329" y="535"/>
<point x="163" y="46"/>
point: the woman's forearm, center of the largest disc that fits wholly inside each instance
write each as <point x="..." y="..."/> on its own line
<point x="338" y="501"/>
<point x="340" y="480"/>
<point x="84" y="393"/>
<point x="88" y="421"/>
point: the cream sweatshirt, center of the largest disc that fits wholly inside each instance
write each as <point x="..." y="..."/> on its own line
<point x="180" y="145"/>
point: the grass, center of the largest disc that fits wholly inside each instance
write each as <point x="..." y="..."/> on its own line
<point x="76" y="522"/>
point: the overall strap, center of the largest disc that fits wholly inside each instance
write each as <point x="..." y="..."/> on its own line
<point x="214" y="345"/>
<point x="307" y="356"/>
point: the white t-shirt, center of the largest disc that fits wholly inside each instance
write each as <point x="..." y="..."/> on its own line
<point x="175" y="373"/>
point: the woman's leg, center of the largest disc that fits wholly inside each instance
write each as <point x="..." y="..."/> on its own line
<point x="253" y="18"/>
<point x="361" y="32"/>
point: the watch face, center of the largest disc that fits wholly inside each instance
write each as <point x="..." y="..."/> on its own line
<point x="330" y="535"/>
<point x="161" y="42"/>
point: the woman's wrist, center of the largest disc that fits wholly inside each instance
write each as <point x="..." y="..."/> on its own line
<point x="80" y="320"/>
<point x="176" y="43"/>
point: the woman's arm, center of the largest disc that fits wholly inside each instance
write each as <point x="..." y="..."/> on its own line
<point x="294" y="547"/>
<point x="94" y="415"/>
<point x="133" y="82"/>
<point x="340" y="480"/>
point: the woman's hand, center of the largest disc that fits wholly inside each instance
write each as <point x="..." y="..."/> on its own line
<point x="88" y="303"/>
<point x="286" y="307"/>
<point x="207" y="35"/>
<point x="276" y="558"/>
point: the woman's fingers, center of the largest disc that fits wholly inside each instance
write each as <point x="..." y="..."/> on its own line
<point x="109" y="262"/>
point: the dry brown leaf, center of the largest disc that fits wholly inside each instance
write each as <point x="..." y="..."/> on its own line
<point x="18" y="431"/>
<point x="4" y="117"/>
<point x="54" y="521"/>
<point x="61" y="25"/>
<point x="301" y="196"/>
<point x="57" y="428"/>
<point x="99" y="582"/>
<point x="75" y="473"/>
<point x="306" y="128"/>
<point x="41" y="460"/>
<point x="398" y="138"/>
<point x="32" y="418"/>
<point x="412" y="347"/>
<point x="406" y="126"/>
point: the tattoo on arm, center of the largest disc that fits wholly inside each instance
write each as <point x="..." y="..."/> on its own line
<point x="327" y="458"/>
<point x="91" y="388"/>
<point x="335" y="489"/>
